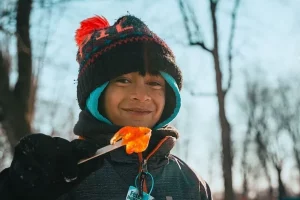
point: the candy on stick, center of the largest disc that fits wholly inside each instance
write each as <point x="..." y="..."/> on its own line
<point x="136" y="140"/>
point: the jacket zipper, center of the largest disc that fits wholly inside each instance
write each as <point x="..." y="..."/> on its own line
<point x="143" y="162"/>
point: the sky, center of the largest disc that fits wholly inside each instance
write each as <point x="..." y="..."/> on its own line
<point x="266" y="36"/>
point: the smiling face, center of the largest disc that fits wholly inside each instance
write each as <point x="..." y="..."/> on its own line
<point x="135" y="100"/>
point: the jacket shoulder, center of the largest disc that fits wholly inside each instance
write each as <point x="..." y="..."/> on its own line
<point x="191" y="175"/>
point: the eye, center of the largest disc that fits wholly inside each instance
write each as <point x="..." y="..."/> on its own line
<point x="122" y="80"/>
<point x="155" y="84"/>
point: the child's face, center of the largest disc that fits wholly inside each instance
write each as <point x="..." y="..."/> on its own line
<point x="135" y="100"/>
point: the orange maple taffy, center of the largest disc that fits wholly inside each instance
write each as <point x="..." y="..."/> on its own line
<point x="136" y="139"/>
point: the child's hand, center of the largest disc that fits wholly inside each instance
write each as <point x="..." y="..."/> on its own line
<point x="40" y="160"/>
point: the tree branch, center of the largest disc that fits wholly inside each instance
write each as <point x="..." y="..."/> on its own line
<point x="214" y="3"/>
<point x="185" y="19"/>
<point x="199" y="93"/>
<point x="202" y="94"/>
<point x="201" y="44"/>
<point x="230" y="42"/>
<point x="183" y="11"/>
<point x="2" y="29"/>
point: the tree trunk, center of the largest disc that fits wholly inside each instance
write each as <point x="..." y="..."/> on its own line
<point x="270" y="186"/>
<point x="226" y="141"/>
<point x="244" y="159"/>
<point x="16" y="102"/>
<point x="225" y="126"/>
<point x="227" y="156"/>
<point x="296" y="151"/>
<point x="297" y="158"/>
<point x="245" y="186"/>
<point x="281" y="188"/>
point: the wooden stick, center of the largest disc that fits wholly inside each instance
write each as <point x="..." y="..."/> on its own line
<point x="103" y="150"/>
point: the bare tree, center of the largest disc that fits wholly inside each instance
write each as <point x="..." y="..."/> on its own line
<point x="286" y="109"/>
<point x="254" y="105"/>
<point x="249" y="109"/>
<point x="191" y="23"/>
<point x="273" y="114"/>
<point x="17" y="102"/>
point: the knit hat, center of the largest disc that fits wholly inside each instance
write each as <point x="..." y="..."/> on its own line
<point x="106" y="52"/>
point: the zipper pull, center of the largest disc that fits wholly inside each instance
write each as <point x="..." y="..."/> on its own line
<point x="144" y="166"/>
<point x="142" y="177"/>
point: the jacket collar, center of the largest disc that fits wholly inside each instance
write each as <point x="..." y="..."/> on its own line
<point x="161" y="143"/>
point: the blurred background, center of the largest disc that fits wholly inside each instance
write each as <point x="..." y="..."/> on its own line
<point x="240" y="120"/>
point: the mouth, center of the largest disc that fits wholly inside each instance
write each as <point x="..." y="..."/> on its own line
<point x="140" y="111"/>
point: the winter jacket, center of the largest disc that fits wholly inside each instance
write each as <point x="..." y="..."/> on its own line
<point x="111" y="175"/>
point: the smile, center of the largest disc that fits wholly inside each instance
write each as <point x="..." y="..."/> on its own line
<point x="137" y="111"/>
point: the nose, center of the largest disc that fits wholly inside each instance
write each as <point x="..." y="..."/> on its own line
<point x="140" y="93"/>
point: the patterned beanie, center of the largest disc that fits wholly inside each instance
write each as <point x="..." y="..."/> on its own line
<point x="106" y="52"/>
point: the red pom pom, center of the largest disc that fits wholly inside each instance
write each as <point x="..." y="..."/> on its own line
<point x="87" y="27"/>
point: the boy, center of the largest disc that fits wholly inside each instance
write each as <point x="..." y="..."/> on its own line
<point x="127" y="77"/>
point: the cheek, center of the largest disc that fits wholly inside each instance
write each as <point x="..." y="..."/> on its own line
<point x="160" y="100"/>
<point x="110" y="100"/>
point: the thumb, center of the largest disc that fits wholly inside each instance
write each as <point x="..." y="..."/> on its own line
<point x="66" y="159"/>
<point x="84" y="148"/>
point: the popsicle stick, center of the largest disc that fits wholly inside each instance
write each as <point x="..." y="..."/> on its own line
<point x="103" y="150"/>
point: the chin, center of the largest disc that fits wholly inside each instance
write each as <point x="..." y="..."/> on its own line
<point x="143" y="124"/>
